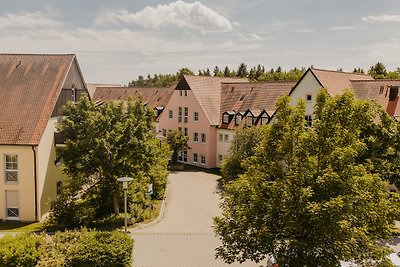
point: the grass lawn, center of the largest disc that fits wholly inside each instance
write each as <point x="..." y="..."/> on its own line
<point x="9" y="226"/>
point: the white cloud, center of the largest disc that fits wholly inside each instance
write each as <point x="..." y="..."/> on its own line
<point x="342" y="28"/>
<point x="28" y="20"/>
<point x="194" y="16"/>
<point x="383" y="18"/>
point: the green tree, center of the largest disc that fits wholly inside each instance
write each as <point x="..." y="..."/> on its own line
<point x="177" y="142"/>
<point x="104" y="143"/>
<point x="242" y="146"/>
<point x="305" y="198"/>
<point x="242" y="71"/>
<point x="378" y="71"/>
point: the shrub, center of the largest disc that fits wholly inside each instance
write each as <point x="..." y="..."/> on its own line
<point x="22" y="250"/>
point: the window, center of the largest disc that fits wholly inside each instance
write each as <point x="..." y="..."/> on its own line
<point x="308" y="98"/>
<point x="196" y="116"/>
<point x="264" y="120"/>
<point x="170" y="114"/>
<point x="185" y="131"/>
<point x="220" y="158"/>
<point x="183" y="92"/>
<point x="221" y="137"/>
<point x="196" y="137"/>
<point x="195" y="158"/>
<point x="308" y="119"/>
<point x="12" y="204"/>
<point x="226" y="138"/>
<point x="164" y="132"/>
<point x="238" y="119"/>
<point x="249" y="120"/>
<point x="73" y="94"/>
<point x="11" y="168"/>
<point x="179" y="114"/>
<point x="393" y="93"/>
<point x="186" y="115"/>
<point x="182" y="156"/>
<point x="59" y="188"/>
<point x="180" y="129"/>
<point x="203" y="138"/>
<point x="225" y="118"/>
<point x="203" y="160"/>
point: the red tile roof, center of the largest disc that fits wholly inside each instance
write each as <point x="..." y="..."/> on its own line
<point x="156" y="97"/>
<point x="378" y="90"/>
<point x="29" y="89"/>
<point x="337" y="81"/>
<point x="207" y="90"/>
<point x="93" y="86"/>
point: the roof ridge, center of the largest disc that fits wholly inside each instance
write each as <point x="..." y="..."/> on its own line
<point x="342" y="72"/>
<point x="377" y="80"/>
<point x="39" y="54"/>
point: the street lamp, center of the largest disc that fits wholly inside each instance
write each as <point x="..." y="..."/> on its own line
<point x="125" y="181"/>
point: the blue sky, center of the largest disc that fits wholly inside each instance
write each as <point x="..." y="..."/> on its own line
<point x="116" y="41"/>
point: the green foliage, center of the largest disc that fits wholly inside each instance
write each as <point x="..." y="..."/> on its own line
<point x="104" y="143"/>
<point x="241" y="147"/>
<point x="310" y="196"/>
<point x="177" y="142"/>
<point x="77" y="248"/>
<point x="20" y="251"/>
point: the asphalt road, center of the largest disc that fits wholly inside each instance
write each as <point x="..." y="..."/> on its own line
<point x="184" y="236"/>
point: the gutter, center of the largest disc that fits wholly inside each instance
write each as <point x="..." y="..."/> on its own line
<point x="35" y="180"/>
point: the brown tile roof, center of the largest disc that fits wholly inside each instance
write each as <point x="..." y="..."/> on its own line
<point x="337" y="81"/>
<point x="29" y="89"/>
<point x="93" y="86"/>
<point x="207" y="90"/>
<point x="156" y="97"/>
<point x="380" y="91"/>
<point x="255" y="97"/>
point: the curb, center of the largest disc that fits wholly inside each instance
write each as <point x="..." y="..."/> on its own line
<point x="160" y="215"/>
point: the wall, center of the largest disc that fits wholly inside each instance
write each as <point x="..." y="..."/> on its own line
<point x="25" y="185"/>
<point x="308" y="85"/>
<point x="224" y="145"/>
<point x="202" y="126"/>
<point x="48" y="173"/>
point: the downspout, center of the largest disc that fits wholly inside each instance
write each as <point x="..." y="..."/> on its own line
<point x="35" y="180"/>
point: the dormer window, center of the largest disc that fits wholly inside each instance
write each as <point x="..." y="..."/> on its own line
<point x="264" y="119"/>
<point x="225" y="118"/>
<point x="249" y="120"/>
<point x="238" y="118"/>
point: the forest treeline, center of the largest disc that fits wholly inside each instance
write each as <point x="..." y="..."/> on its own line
<point x="255" y="74"/>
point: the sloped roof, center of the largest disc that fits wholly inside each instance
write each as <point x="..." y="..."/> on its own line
<point x="152" y="96"/>
<point x="29" y="89"/>
<point x="255" y="97"/>
<point x="93" y="86"/>
<point x="378" y="90"/>
<point x="337" y="81"/>
<point x="207" y="90"/>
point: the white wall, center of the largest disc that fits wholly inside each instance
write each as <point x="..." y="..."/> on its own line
<point x="224" y="145"/>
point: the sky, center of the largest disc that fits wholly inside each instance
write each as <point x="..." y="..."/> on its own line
<point x="116" y="41"/>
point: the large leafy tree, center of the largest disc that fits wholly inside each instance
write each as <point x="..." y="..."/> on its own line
<point x="177" y="142"/>
<point x="104" y="143"/>
<point x="242" y="147"/>
<point x="310" y="196"/>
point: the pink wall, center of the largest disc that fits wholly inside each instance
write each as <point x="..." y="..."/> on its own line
<point x="202" y="126"/>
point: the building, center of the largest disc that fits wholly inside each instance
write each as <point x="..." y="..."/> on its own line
<point x="246" y="104"/>
<point x="155" y="97"/>
<point x="32" y="90"/>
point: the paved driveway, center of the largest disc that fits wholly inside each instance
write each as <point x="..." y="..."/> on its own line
<point x="183" y="237"/>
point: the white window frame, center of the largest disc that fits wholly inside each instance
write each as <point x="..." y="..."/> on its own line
<point x="186" y="115"/>
<point x="309" y="120"/>
<point x="180" y="111"/>
<point x="59" y="188"/>
<point x="8" y="171"/>
<point x="196" y="116"/>
<point x="196" y="137"/>
<point x="202" y="159"/>
<point x="185" y="131"/>
<point x="8" y="208"/>
<point x="195" y="158"/>
<point x="238" y="119"/>
<point x="220" y="137"/>
<point x="226" y="137"/>
<point x="220" y="158"/>
<point x="225" y="118"/>
<point x="170" y="114"/>
<point x="203" y="138"/>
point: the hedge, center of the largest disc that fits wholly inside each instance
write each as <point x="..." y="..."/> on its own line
<point x="72" y="248"/>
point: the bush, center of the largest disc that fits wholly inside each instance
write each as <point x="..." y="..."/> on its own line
<point x="22" y="250"/>
<point x="71" y="248"/>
